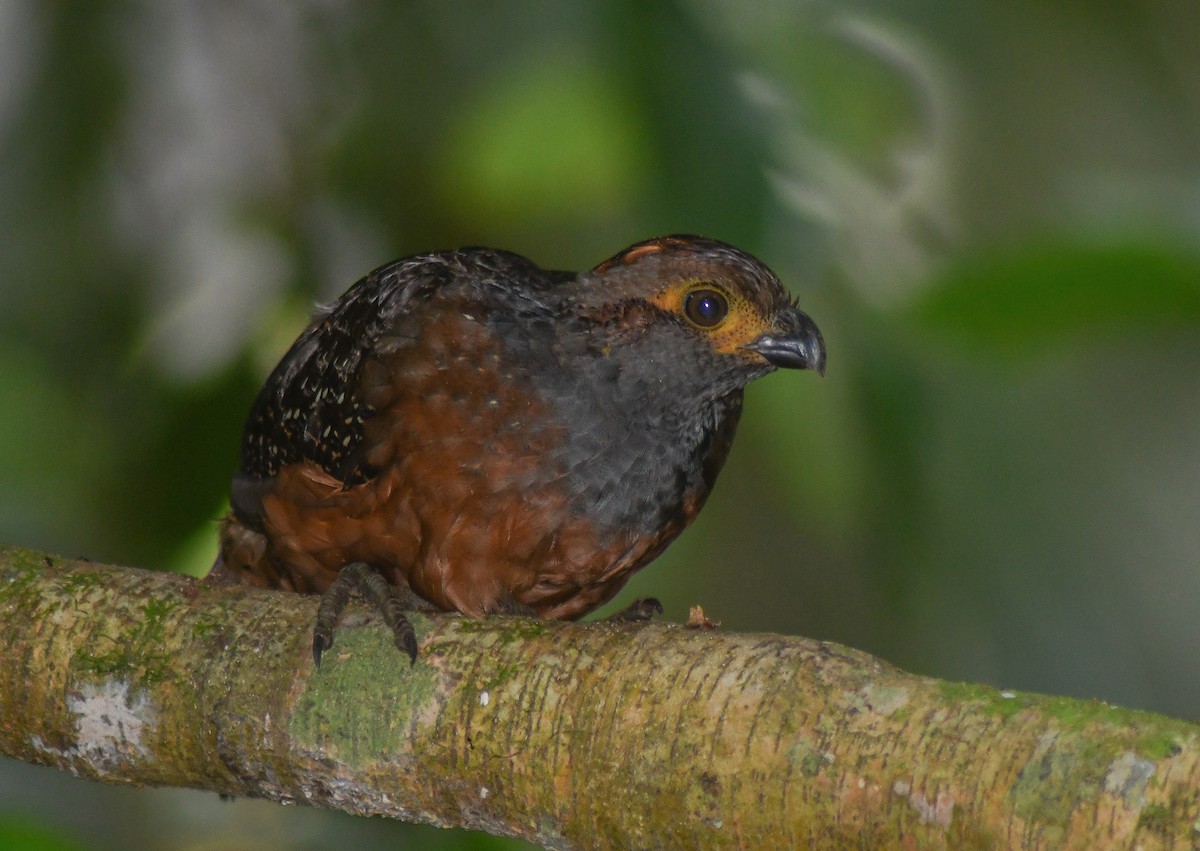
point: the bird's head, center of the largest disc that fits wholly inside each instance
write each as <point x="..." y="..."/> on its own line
<point x="716" y="301"/>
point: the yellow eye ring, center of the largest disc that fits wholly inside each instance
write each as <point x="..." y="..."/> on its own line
<point x="705" y="308"/>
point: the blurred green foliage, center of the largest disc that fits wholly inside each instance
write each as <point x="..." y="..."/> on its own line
<point x="992" y="210"/>
<point x="23" y="834"/>
<point x="1043" y="297"/>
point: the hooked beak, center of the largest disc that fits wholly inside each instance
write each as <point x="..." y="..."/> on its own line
<point x="795" y="344"/>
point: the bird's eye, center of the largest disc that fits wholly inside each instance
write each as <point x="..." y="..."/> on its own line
<point x="705" y="308"/>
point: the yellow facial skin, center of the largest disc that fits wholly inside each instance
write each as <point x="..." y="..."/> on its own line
<point x="741" y="325"/>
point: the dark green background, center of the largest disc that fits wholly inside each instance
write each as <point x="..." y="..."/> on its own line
<point x="992" y="210"/>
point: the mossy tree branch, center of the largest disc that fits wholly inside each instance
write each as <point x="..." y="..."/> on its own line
<point x="568" y="735"/>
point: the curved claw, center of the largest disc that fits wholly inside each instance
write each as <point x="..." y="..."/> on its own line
<point x="322" y="641"/>
<point x="406" y="641"/>
<point x="370" y="583"/>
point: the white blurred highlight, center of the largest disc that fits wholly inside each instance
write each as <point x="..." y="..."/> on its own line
<point x="884" y="232"/>
<point x="201" y="146"/>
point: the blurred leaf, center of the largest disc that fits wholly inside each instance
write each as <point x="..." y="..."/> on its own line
<point x="863" y="97"/>
<point x="196" y="554"/>
<point x="806" y="431"/>
<point x="1023" y="302"/>
<point x="554" y="137"/>
<point x="18" y="833"/>
<point x="53" y="451"/>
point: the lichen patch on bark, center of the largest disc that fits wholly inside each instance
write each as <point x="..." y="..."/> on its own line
<point x="337" y="713"/>
<point x="111" y="725"/>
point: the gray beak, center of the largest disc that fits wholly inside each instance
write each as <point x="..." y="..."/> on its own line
<point x="795" y="344"/>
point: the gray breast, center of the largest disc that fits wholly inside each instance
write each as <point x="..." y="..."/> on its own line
<point x="640" y="428"/>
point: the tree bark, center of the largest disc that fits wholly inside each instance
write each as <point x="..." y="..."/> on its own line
<point x="570" y="735"/>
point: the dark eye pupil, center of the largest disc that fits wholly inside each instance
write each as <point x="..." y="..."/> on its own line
<point x="705" y="307"/>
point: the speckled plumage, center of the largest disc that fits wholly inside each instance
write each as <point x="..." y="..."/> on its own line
<point x="501" y="438"/>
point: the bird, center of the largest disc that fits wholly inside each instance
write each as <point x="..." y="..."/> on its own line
<point x="464" y="431"/>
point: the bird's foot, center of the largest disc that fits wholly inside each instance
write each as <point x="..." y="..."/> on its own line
<point x="639" y="611"/>
<point x="389" y="601"/>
